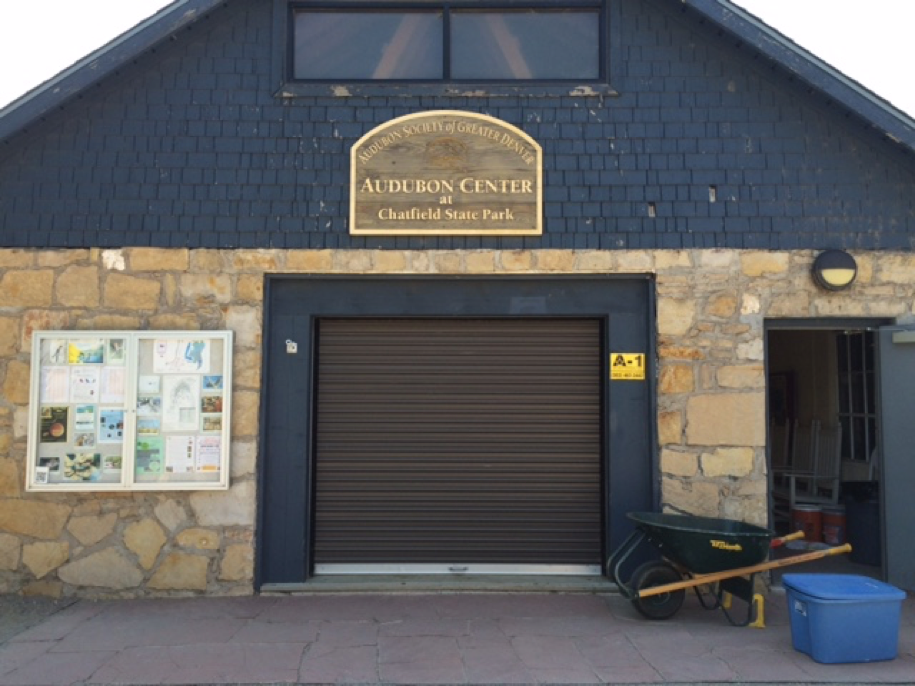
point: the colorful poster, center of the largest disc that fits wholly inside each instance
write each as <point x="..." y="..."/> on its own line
<point x="211" y="404"/>
<point x="84" y="418"/>
<point x="111" y="425"/>
<point x="82" y="466"/>
<point x="54" y="424"/>
<point x="53" y="352"/>
<point x="209" y="453"/>
<point x="117" y="351"/>
<point x="212" y="382"/>
<point x="181" y="356"/>
<point x="179" y="454"/>
<point x="148" y="456"/>
<point x="91" y="351"/>
<point x="148" y="427"/>
<point x="84" y="384"/>
<point x="180" y="403"/>
<point x="149" y="406"/>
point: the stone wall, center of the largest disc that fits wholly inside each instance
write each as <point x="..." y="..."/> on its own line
<point x="711" y="388"/>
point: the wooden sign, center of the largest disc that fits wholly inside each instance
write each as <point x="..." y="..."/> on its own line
<point x="446" y="173"/>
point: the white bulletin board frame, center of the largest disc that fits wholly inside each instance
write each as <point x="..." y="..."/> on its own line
<point x="129" y="411"/>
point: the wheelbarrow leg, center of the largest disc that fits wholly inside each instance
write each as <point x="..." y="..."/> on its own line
<point x="619" y="556"/>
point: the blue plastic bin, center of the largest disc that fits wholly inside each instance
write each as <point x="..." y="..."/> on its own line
<point x="843" y="617"/>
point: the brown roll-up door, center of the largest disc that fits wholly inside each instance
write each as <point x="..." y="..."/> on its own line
<point x="442" y="441"/>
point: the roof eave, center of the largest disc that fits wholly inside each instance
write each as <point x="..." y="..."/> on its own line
<point x="82" y="75"/>
<point x="882" y="115"/>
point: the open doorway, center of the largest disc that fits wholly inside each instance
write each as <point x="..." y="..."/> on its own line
<point x="823" y="428"/>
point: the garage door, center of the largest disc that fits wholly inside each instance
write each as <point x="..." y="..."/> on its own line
<point x="458" y="445"/>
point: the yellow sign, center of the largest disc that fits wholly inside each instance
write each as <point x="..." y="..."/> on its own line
<point x="627" y="366"/>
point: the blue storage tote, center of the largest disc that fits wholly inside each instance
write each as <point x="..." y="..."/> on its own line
<point x="843" y="617"/>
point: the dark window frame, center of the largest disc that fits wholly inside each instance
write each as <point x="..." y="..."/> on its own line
<point x="609" y="53"/>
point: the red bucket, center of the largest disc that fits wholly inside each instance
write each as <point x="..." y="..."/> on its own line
<point x="809" y="519"/>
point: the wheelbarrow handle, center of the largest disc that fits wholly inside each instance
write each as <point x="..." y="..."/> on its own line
<point x="699" y="579"/>
<point x="782" y="540"/>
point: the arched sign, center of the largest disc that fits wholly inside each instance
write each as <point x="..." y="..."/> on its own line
<point x="446" y="173"/>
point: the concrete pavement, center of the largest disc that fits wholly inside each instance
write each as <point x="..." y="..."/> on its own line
<point x="404" y="638"/>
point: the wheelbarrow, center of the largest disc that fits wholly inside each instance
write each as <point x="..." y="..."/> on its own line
<point x="717" y="558"/>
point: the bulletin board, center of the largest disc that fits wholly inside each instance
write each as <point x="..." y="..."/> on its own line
<point x="122" y="410"/>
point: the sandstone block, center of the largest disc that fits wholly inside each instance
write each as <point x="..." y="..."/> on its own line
<point x="244" y="458"/>
<point x="201" y="539"/>
<point x="14" y="257"/>
<point x="672" y="259"/>
<point x="390" y="261"/>
<point x="234" y="507"/>
<point x="145" y="539"/>
<point x="760" y="263"/>
<point x="104" y="569"/>
<point x="202" y="288"/>
<point x="9" y="336"/>
<point x="447" y="263"/>
<point x="634" y="261"/>
<point x="171" y="514"/>
<point x="131" y="293"/>
<point x="16" y="382"/>
<point x="245" y="322"/>
<point x="310" y="260"/>
<point x="35" y="518"/>
<point x="10" y="479"/>
<point x="91" y="529"/>
<point x="187" y="321"/>
<point x="181" y="572"/>
<point x="244" y="413"/>
<point x="675" y="317"/>
<point x="44" y="556"/>
<point x="62" y="258"/>
<point x="595" y="261"/>
<point x="555" y="260"/>
<point x="246" y="368"/>
<point x="108" y="322"/>
<point x="670" y="428"/>
<point x="694" y="497"/>
<point x="78" y="287"/>
<point x="483" y="262"/>
<point x="250" y="288"/>
<point x="719" y="259"/>
<point x="27" y="288"/>
<point x="736" y="462"/>
<point x="742" y="376"/>
<point x="10" y="550"/>
<point x="207" y="261"/>
<point x="237" y="564"/>
<point x="256" y="260"/>
<point x="676" y="378"/>
<point x="353" y="261"/>
<point x="158" y="259"/>
<point x="516" y="260"/>
<point x="729" y="419"/>
<point x="722" y="306"/>
<point x="679" y="463"/>
<point x="751" y="350"/>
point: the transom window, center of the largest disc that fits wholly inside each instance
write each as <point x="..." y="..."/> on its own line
<point x="447" y="43"/>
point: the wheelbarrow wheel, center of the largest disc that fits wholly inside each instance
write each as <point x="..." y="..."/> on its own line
<point x="663" y="605"/>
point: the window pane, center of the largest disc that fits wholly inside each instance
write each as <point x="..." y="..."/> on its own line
<point x="525" y="44"/>
<point x="368" y="45"/>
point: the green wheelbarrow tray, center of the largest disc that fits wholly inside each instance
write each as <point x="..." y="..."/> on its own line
<point x="703" y="544"/>
<point x="721" y="555"/>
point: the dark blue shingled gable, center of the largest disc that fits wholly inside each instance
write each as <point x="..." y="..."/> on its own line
<point x="188" y="147"/>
